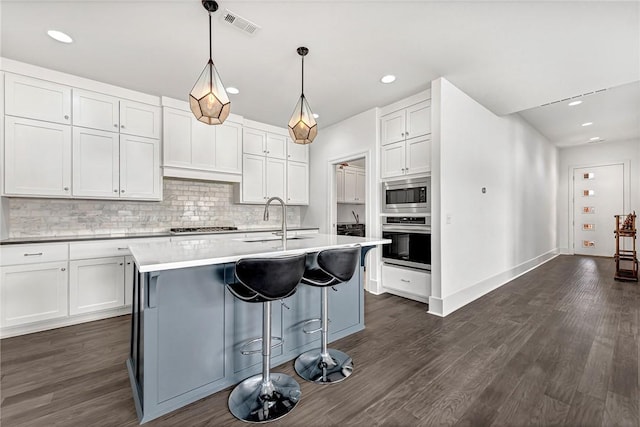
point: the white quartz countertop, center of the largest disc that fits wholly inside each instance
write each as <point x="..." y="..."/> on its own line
<point x="198" y="252"/>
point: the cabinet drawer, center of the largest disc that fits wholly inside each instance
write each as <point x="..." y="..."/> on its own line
<point x="105" y="248"/>
<point x="407" y="280"/>
<point x="33" y="253"/>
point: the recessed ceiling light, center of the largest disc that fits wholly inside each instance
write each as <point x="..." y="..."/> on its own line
<point x="315" y="116"/>
<point x="233" y="90"/>
<point x="587" y="124"/>
<point x="574" y="103"/>
<point x="59" y="36"/>
<point x="595" y="138"/>
<point x="389" y="78"/>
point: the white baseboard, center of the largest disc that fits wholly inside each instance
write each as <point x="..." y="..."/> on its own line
<point x="14" y="331"/>
<point x="565" y="251"/>
<point x="373" y="287"/>
<point x="447" y="305"/>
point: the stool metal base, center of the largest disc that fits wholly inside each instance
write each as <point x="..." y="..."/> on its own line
<point x="332" y="368"/>
<point x="254" y="401"/>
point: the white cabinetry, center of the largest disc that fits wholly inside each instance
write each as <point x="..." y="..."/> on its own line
<point x="37" y="99"/>
<point x="140" y="168"/>
<point x="297" y="183"/>
<point x="37" y="158"/>
<point x="195" y="150"/>
<point x="406" y="141"/>
<point x="351" y="182"/>
<point x="407" y="282"/>
<point x="139" y="119"/>
<point x="96" y="284"/>
<point x="128" y="280"/>
<point x="264" y="166"/>
<point x="410" y="122"/>
<point x="33" y="283"/>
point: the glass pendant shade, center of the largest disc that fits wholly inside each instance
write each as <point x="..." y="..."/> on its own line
<point x="208" y="99"/>
<point x="302" y="126"/>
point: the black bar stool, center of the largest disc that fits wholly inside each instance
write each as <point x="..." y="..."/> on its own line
<point x="266" y="396"/>
<point x="328" y="366"/>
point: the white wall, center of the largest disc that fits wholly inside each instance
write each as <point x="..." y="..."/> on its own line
<point x="345" y="214"/>
<point x="347" y="140"/>
<point x="591" y="155"/>
<point x="485" y="240"/>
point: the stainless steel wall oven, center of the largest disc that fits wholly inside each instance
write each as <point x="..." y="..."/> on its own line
<point x="410" y="241"/>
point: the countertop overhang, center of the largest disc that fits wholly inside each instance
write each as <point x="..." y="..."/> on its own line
<point x="199" y="252"/>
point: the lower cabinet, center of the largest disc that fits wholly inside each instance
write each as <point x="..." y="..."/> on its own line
<point x="96" y="284"/>
<point x="33" y="292"/>
<point x="302" y="306"/>
<point x="407" y="282"/>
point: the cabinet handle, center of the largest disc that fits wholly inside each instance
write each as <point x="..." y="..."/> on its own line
<point x="122" y="126"/>
<point x="63" y="269"/>
<point x="115" y="190"/>
<point x="406" y="170"/>
<point x="66" y="188"/>
<point x="129" y="263"/>
<point x="122" y="191"/>
<point x="285" y="305"/>
<point x="406" y="133"/>
<point x="121" y="263"/>
<point x="402" y="134"/>
<point x="66" y="117"/>
<point x="405" y="280"/>
<point x="34" y="254"/>
<point x="122" y="249"/>
<point x="115" y="125"/>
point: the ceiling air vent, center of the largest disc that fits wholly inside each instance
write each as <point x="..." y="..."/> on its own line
<point x="239" y="22"/>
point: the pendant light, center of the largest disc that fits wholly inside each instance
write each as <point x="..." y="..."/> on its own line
<point x="302" y="126"/>
<point x="208" y="99"/>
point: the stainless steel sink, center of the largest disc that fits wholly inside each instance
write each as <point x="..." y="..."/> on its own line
<point x="269" y="238"/>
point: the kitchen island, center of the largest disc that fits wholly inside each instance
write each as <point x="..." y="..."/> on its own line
<point x="187" y="328"/>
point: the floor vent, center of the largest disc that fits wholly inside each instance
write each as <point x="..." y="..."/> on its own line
<point x="239" y="22"/>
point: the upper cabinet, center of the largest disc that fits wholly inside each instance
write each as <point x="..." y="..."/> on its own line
<point x="193" y="149"/>
<point x="37" y="99"/>
<point x="351" y="184"/>
<point x="263" y="143"/>
<point x="407" y="123"/>
<point x="405" y="137"/>
<point x="64" y="141"/>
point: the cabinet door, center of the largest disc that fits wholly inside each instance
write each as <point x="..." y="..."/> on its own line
<point x="392" y="127"/>
<point x="418" y="120"/>
<point x="297" y="152"/>
<point x="95" y="110"/>
<point x="203" y="145"/>
<point x="297" y="183"/>
<point x="418" y="155"/>
<point x="37" y="99"/>
<point x="176" y="137"/>
<point x="253" y="179"/>
<point x="128" y="280"/>
<point x="140" y="168"/>
<point x="254" y="141"/>
<point x="304" y="305"/>
<point x="96" y="284"/>
<point x="344" y="304"/>
<point x="31" y="293"/>
<point x="96" y="163"/>
<point x="393" y="160"/>
<point x="349" y="185"/>
<point x="228" y="149"/>
<point x="339" y="185"/>
<point x="276" y="146"/>
<point x="276" y="178"/>
<point x="139" y="119"/>
<point x="37" y="158"/>
<point x="361" y="187"/>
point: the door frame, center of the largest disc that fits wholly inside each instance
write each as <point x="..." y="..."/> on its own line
<point x="626" y="194"/>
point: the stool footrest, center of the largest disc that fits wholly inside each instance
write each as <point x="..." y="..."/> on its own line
<point x="279" y="342"/>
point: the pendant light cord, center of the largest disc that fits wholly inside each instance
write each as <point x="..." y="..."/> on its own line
<point x="210" y="43"/>
<point x="303" y="75"/>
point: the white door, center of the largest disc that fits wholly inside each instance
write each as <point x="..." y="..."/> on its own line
<point x="393" y="159"/>
<point x="360" y="187"/>
<point x="350" y="176"/>
<point x="140" y="119"/>
<point x="418" y="120"/>
<point x="203" y="145"/>
<point x="140" y="168"/>
<point x="34" y="292"/>
<point x="95" y="111"/>
<point x="228" y="149"/>
<point x="418" y="155"/>
<point x="254" y="141"/>
<point x="96" y="284"/>
<point x="253" y="182"/>
<point x="276" y="178"/>
<point x="598" y="196"/>
<point x="176" y="137"/>
<point x="297" y="183"/>
<point x="276" y="146"/>
<point x="96" y="163"/>
<point x="37" y="158"/>
<point x="297" y="152"/>
<point x="37" y="99"/>
<point x="392" y="127"/>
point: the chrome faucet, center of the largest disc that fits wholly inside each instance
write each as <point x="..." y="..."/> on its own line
<point x="284" y="215"/>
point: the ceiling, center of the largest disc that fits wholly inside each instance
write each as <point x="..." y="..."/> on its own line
<point x="508" y="55"/>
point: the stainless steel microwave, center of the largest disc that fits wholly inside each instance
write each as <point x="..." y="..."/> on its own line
<point x="407" y="196"/>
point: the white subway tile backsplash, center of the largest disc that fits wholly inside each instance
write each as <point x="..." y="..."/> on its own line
<point x="185" y="203"/>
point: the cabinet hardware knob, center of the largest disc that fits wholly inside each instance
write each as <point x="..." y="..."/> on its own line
<point x="406" y="133"/>
<point x="122" y="126"/>
<point x="406" y="170"/>
<point x="405" y="280"/>
<point x="122" y="191"/>
<point x="115" y="190"/>
<point x="63" y="269"/>
<point x="34" y="254"/>
<point x="121" y="263"/>
<point x="66" y="117"/>
<point x="402" y="134"/>
<point x="115" y="125"/>
<point x="129" y="263"/>
<point x="66" y="188"/>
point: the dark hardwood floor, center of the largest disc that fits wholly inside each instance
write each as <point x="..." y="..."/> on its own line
<point x="557" y="346"/>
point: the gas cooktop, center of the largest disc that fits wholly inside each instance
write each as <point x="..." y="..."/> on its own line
<point x="200" y="229"/>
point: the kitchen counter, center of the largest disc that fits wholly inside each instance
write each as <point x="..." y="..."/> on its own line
<point x="188" y="329"/>
<point x="198" y="252"/>
<point x="83" y="238"/>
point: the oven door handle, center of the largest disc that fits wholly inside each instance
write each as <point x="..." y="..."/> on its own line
<point x="408" y="229"/>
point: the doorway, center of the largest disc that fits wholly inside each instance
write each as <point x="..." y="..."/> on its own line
<point x="598" y="194"/>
